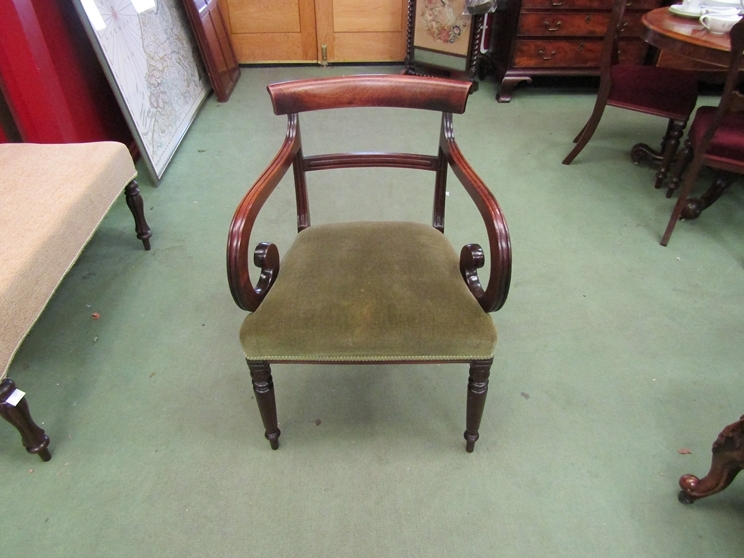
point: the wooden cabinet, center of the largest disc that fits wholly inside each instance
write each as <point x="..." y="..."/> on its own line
<point x="559" y="38"/>
<point x="317" y="30"/>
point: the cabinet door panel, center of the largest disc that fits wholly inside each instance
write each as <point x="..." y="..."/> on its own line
<point x="272" y="30"/>
<point x="350" y="16"/>
<point x="264" y="16"/>
<point x="370" y="31"/>
<point x="296" y="30"/>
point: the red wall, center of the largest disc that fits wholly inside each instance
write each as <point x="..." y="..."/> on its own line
<point x="50" y="76"/>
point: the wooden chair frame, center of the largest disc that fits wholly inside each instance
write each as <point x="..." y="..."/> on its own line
<point x="608" y="58"/>
<point x="292" y="98"/>
<point x="731" y="101"/>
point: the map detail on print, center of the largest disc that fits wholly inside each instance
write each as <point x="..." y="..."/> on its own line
<point x="441" y="26"/>
<point x="155" y="69"/>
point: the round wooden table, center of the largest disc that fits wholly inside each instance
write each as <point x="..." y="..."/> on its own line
<point x="684" y="36"/>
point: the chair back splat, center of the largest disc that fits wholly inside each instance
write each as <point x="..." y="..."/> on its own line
<point x="369" y="291"/>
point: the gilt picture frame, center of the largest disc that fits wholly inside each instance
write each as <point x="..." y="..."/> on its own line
<point x="442" y="36"/>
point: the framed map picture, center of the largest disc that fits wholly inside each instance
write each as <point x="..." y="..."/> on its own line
<point x="152" y="62"/>
<point x="442" y="34"/>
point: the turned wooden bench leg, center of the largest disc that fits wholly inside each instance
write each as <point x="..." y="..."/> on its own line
<point x="136" y="206"/>
<point x="33" y="436"/>
<point x="727" y="461"/>
<point x="477" y="391"/>
<point x="263" y="386"/>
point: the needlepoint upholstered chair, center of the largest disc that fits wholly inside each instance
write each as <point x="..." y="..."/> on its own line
<point x="716" y="140"/>
<point x="666" y="92"/>
<point x="369" y="291"/>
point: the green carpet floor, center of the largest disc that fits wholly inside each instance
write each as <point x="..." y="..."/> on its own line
<point x="614" y="353"/>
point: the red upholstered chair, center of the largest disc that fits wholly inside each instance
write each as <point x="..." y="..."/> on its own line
<point x="716" y="139"/>
<point x="665" y="92"/>
<point x="369" y="292"/>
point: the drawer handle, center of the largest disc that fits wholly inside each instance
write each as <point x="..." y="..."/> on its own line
<point x="556" y="4"/>
<point x="558" y="24"/>
<point x="541" y="52"/>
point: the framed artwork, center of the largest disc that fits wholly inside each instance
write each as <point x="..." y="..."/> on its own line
<point x="153" y="65"/>
<point x="442" y="35"/>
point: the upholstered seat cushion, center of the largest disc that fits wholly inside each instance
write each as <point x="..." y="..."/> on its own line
<point x="727" y="142"/>
<point x="52" y="199"/>
<point x="666" y="92"/>
<point x="369" y="291"/>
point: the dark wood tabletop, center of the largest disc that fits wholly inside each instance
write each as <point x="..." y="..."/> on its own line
<point x="685" y="36"/>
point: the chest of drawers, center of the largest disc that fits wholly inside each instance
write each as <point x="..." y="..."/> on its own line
<point x="559" y="38"/>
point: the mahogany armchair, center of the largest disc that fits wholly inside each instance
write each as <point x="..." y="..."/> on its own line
<point x="368" y="291"/>
<point x="716" y="140"/>
<point x="666" y="92"/>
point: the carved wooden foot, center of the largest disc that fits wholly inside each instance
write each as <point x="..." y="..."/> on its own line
<point x="134" y="201"/>
<point x="643" y="152"/>
<point x="507" y="85"/>
<point x="695" y="206"/>
<point x="263" y="386"/>
<point x="33" y="437"/>
<point x="477" y="391"/>
<point x="727" y="461"/>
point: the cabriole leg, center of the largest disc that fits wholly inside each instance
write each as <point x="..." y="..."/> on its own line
<point x="477" y="390"/>
<point x="134" y="201"/>
<point x="33" y="437"/>
<point x="726" y="462"/>
<point x="263" y="386"/>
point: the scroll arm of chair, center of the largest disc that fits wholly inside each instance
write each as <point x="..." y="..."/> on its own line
<point x="266" y="255"/>
<point x="471" y="257"/>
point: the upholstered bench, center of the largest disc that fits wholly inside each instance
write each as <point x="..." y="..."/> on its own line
<point x="52" y="199"/>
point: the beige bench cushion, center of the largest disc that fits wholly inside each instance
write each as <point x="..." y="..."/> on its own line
<point x="52" y="199"/>
<point x="369" y="291"/>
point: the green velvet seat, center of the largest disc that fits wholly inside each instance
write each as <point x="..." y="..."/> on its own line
<point x="370" y="291"/>
<point x="347" y="291"/>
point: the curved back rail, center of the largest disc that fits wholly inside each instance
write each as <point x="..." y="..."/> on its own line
<point x="370" y="91"/>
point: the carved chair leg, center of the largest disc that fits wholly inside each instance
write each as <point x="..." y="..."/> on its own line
<point x="134" y="201"/>
<point x="586" y="132"/>
<point x="669" y="144"/>
<point x="721" y="183"/>
<point x="263" y="386"/>
<point x="33" y="437"/>
<point x="727" y="461"/>
<point x="685" y="156"/>
<point x="477" y="391"/>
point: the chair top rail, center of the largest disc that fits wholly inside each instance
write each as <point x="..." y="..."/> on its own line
<point x="398" y="91"/>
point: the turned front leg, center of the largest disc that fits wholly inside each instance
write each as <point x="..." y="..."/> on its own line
<point x="33" y="436"/>
<point x="263" y="386"/>
<point x="477" y="390"/>
<point x="136" y="206"/>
